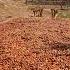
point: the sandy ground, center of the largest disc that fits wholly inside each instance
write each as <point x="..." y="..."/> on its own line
<point x="35" y="44"/>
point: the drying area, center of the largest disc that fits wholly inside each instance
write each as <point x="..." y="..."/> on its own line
<point x="35" y="44"/>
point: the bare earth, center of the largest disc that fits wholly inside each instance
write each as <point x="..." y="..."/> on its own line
<point x="35" y="44"/>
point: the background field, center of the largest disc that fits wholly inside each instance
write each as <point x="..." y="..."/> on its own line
<point x="17" y="8"/>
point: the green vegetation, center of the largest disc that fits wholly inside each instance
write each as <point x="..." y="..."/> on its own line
<point x="64" y="14"/>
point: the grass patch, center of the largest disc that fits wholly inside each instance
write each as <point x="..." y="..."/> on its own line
<point x="64" y="14"/>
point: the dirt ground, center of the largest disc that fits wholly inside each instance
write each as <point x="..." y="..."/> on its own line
<point x="35" y="44"/>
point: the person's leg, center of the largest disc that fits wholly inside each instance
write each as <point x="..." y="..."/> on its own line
<point x="41" y="11"/>
<point x="55" y="12"/>
<point x="34" y="12"/>
<point x="52" y="12"/>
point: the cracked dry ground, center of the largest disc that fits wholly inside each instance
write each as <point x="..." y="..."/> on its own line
<point x="32" y="44"/>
